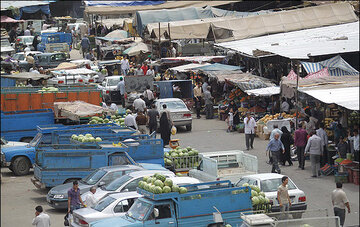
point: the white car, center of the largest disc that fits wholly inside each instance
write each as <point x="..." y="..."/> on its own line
<point x="180" y="114"/>
<point x="126" y="183"/>
<point x="116" y="204"/>
<point x="110" y="93"/>
<point x="269" y="183"/>
<point x="19" y="56"/>
<point x="73" y="76"/>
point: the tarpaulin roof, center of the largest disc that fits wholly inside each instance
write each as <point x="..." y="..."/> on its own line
<point x="114" y="21"/>
<point x="65" y="65"/>
<point x="194" y="59"/>
<point x="137" y="49"/>
<point x="283" y="21"/>
<point x="267" y="91"/>
<point x="75" y="110"/>
<point x="219" y="67"/>
<point x="117" y="34"/>
<point x="337" y="66"/>
<point x="184" y="68"/>
<point x="122" y="3"/>
<point x="6" y="19"/>
<point x="26" y="7"/>
<point x="347" y="97"/>
<point x="304" y="43"/>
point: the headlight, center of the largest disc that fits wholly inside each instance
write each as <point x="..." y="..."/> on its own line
<point x="58" y="196"/>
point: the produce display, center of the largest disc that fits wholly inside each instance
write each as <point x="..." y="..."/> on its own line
<point x="354" y="118"/>
<point x="328" y="124"/>
<point x="117" y="119"/>
<point x="48" y="90"/>
<point x="182" y="158"/>
<point x="269" y="117"/>
<point x="88" y="138"/>
<point x="158" y="184"/>
<point x="258" y="199"/>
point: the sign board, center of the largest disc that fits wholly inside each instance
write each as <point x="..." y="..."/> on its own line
<point x="138" y="83"/>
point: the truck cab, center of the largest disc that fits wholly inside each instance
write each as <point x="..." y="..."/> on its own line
<point x="59" y="39"/>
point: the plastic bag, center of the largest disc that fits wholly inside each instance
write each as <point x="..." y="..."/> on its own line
<point x="173" y="130"/>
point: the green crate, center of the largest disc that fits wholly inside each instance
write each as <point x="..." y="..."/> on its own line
<point x="341" y="177"/>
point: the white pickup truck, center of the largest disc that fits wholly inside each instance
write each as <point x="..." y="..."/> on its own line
<point x="225" y="165"/>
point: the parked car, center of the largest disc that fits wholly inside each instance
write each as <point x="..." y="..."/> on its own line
<point x="73" y="76"/>
<point x="269" y="183"/>
<point x="57" y="196"/>
<point x="179" y="113"/>
<point x="110" y="93"/>
<point x="50" y="60"/>
<point x="126" y="183"/>
<point x="20" y="57"/>
<point x="6" y="47"/>
<point x="116" y="204"/>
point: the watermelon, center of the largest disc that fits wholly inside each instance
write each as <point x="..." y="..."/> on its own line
<point x="182" y="190"/>
<point x="175" y="188"/>
<point x="161" y="177"/>
<point x="255" y="200"/>
<point x="245" y="185"/>
<point x="159" y="183"/>
<point x="179" y="174"/>
<point x="145" y="179"/>
<point x="257" y="189"/>
<point x="149" y="180"/>
<point x="254" y="193"/>
<point x="98" y="139"/>
<point x="262" y="194"/>
<point x="228" y="225"/>
<point x="157" y="190"/>
<point x="141" y="184"/>
<point x="88" y="135"/>
<point x="189" y="148"/>
<point x="166" y="154"/>
<point x="152" y="180"/>
<point x="166" y="189"/>
<point x="168" y="182"/>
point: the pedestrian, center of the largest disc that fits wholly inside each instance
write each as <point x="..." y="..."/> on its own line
<point x="141" y="121"/>
<point x="310" y="124"/>
<point x="300" y="139"/>
<point x="340" y="201"/>
<point x="144" y="68"/>
<point x="287" y="140"/>
<point x="27" y="31"/>
<point x="276" y="130"/>
<point x="283" y="196"/>
<point x="85" y="45"/>
<point x="355" y="140"/>
<point x="153" y="115"/>
<point x="74" y="198"/>
<point x="90" y="200"/>
<point x="138" y="71"/>
<point x="148" y="96"/>
<point x="125" y="66"/>
<point x="12" y="34"/>
<point x="150" y="71"/>
<point x="208" y="103"/>
<point x="41" y="219"/>
<point x="315" y="149"/>
<point x="342" y="147"/>
<point x="197" y="98"/>
<point x="230" y="120"/>
<point x="139" y="104"/>
<point x="275" y="146"/>
<point x="172" y="51"/>
<point x="121" y="89"/>
<point x="285" y="107"/>
<point x="324" y="140"/>
<point x="236" y="112"/>
<point x="130" y="121"/>
<point x="205" y="85"/>
<point x="165" y="125"/>
<point x="35" y="42"/>
<point x="249" y="129"/>
<point x="90" y="56"/>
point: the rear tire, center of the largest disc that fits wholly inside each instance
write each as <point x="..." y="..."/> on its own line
<point x="188" y="127"/>
<point x="21" y="166"/>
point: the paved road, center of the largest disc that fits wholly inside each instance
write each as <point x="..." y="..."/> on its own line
<point x="19" y="196"/>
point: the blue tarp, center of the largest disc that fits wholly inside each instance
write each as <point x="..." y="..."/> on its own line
<point x="337" y="66"/>
<point x="218" y="67"/>
<point x="33" y="9"/>
<point x="122" y="3"/>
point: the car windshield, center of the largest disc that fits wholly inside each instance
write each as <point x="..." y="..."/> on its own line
<point x="271" y="185"/>
<point x="19" y="57"/>
<point x="113" y="82"/>
<point x="113" y="186"/>
<point x="94" y="177"/>
<point x="102" y="204"/>
<point x="174" y="105"/>
<point x="139" y="209"/>
<point x="35" y="140"/>
<point x="3" y="141"/>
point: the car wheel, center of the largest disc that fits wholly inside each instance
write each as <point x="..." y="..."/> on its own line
<point x="21" y="166"/>
<point x="188" y="127"/>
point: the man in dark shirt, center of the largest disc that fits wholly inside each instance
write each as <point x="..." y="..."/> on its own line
<point x="141" y="121"/>
<point x="153" y="115"/>
<point x="300" y="139"/>
<point x="74" y="198"/>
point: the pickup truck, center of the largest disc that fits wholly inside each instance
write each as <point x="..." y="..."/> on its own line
<point x="61" y="163"/>
<point x="19" y="159"/>
<point x="194" y="208"/>
<point x="224" y="165"/>
<point x="59" y="39"/>
<point x="21" y="125"/>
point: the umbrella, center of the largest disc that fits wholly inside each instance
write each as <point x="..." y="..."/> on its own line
<point x="137" y="49"/>
<point x="117" y="34"/>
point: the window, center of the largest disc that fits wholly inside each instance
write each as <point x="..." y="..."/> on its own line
<point x="124" y="205"/>
<point x="102" y="204"/>
<point x="94" y="177"/>
<point x="42" y="58"/>
<point x="164" y="211"/>
<point x="271" y="185"/>
<point x="112" y="176"/>
<point x="132" y="185"/>
<point x="116" y="184"/>
<point x="174" y="105"/>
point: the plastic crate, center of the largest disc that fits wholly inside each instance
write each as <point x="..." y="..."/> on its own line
<point x="355" y="176"/>
<point x="327" y="170"/>
<point x="341" y="177"/>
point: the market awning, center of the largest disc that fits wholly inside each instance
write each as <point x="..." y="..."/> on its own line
<point x="137" y="49"/>
<point x="219" y="67"/>
<point x="6" y="19"/>
<point x="347" y="97"/>
<point x="117" y="34"/>
<point x="267" y="91"/>
<point x="187" y="67"/>
<point x="26" y="7"/>
<point x="114" y="21"/>
<point x="27" y="75"/>
<point x="195" y="59"/>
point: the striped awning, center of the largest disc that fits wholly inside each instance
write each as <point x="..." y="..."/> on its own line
<point x="337" y="66"/>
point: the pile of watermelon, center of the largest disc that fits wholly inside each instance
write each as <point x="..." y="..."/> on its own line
<point x="88" y="138"/>
<point x="158" y="184"/>
<point x="117" y="119"/>
<point x="182" y="158"/>
<point x="258" y="199"/>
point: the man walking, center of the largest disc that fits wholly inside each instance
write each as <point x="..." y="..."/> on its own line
<point x="74" y="198"/>
<point x="139" y="104"/>
<point x="90" y="200"/>
<point x="121" y="89"/>
<point x="85" y="45"/>
<point x="148" y="96"/>
<point x="276" y="130"/>
<point x="250" y="126"/>
<point x="130" y="121"/>
<point x="275" y="146"/>
<point x="141" y="121"/>
<point x="300" y="138"/>
<point x="208" y="103"/>
<point x="339" y="201"/>
<point x="355" y="142"/>
<point x="41" y="219"/>
<point x="315" y="148"/>
<point x="283" y="195"/>
<point x="153" y="115"/>
<point x="324" y="141"/>
<point x="125" y="66"/>
<point x="197" y="98"/>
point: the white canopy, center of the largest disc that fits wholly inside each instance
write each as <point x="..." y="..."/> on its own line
<point x="267" y="91"/>
<point x="347" y="97"/>
<point x="184" y="68"/>
<point x="75" y="71"/>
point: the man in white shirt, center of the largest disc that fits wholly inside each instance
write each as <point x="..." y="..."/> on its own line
<point x="285" y="107"/>
<point x="324" y="140"/>
<point x="41" y="219"/>
<point x="355" y="142"/>
<point x="130" y="121"/>
<point x="138" y="71"/>
<point x="27" y="32"/>
<point x="250" y="126"/>
<point x="151" y="71"/>
<point x="139" y="104"/>
<point x="173" y="51"/>
<point x="90" y="200"/>
<point x="121" y="89"/>
<point x="275" y="131"/>
<point x="125" y="66"/>
<point x="340" y="201"/>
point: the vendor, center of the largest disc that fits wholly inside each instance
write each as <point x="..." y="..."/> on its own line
<point x="285" y="107"/>
<point x="236" y="119"/>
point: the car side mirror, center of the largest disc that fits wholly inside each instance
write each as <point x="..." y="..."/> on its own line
<point x="102" y="183"/>
<point x="156" y="212"/>
<point x="125" y="190"/>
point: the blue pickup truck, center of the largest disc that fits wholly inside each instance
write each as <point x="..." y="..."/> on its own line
<point x="19" y="159"/>
<point x="194" y="208"/>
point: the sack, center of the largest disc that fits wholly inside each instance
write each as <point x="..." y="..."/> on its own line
<point x="68" y="219"/>
<point x="173" y="130"/>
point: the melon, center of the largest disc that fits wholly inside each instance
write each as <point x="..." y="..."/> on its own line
<point x="98" y="139"/>
<point x="175" y="188"/>
<point x="254" y="193"/>
<point x="157" y="190"/>
<point x="255" y="200"/>
<point x="161" y="177"/>
<point x="159" y="183"/>
<point x="168" y="182"/>
<point x="182" y="190"/>
<point x="145" y="179"/>
<point x="88" y="135"/>
<point x="166" y="189"/>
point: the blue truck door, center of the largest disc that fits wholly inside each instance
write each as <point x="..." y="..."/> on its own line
<point x="166" y="216"/>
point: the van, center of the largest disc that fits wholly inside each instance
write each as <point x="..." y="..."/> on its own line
<point x="51" y="42"/>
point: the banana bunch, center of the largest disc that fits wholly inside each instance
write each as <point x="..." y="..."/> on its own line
<point x="117" y="144"/>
